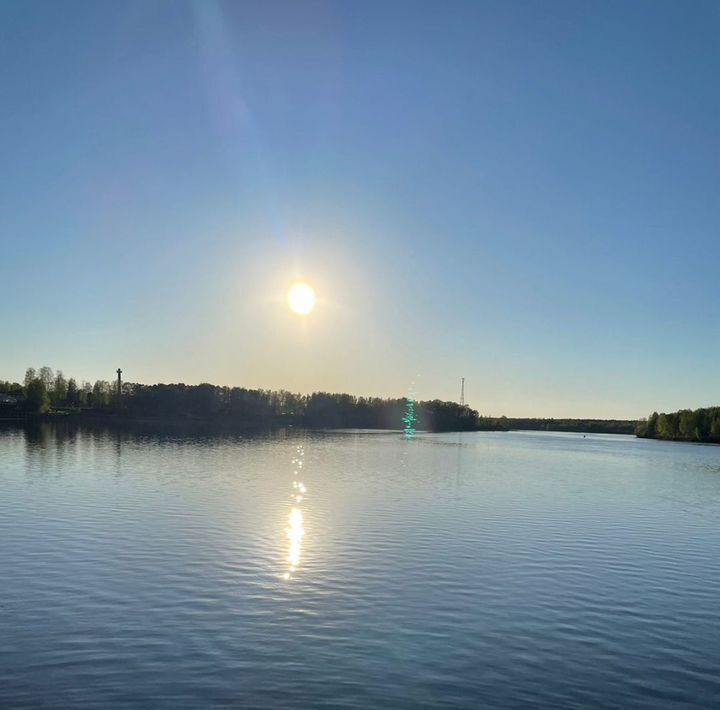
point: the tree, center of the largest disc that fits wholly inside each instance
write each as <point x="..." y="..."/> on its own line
<point x="36" y="397"/>
<point x="663" y="427"/>
<point x="202" y="399"/>
<point x="100" y="393"/>
<point x="84" y="394"/>
<point x="60" y="388"/>
<point x="30" y="375"/>
<point x="715" y="424"/>
<point x="72" y="393"/>
<point x="10" y="387"/>
<point x="687" y="423"/>
<point x="46" y="377"/>
<point x="652" y="425"/>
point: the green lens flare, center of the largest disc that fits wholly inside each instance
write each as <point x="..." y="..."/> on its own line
<point x="409" y="419"/>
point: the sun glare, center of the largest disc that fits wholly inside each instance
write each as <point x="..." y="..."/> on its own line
<point x="301" y="298"/>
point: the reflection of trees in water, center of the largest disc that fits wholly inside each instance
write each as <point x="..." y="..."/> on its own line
<point x="458" y="476"/>
<point x="119" y="437"/>
<point x="44" y="446"/>
<point x="37" y="435"/>
<point x="49" y="444"/>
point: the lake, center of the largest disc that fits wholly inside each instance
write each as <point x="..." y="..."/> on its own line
<point x="357" y="569"/>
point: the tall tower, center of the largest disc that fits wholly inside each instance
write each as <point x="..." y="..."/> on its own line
<point x="462" y="392"/>
<point x="119" y="385"/>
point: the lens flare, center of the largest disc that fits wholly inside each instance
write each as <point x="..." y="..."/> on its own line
<point x="409" y="419"/>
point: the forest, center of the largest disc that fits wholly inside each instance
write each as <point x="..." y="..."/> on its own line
<point x="701" y="425"/>
<point x="589" y="426"/>
<point x="46" y="392"/>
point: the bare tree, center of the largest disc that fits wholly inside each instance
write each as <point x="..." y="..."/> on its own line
<point x="60" y="388"/>
<point x="46" y="377"/>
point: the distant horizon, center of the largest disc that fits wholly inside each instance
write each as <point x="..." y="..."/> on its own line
<point x="424" y="397"/>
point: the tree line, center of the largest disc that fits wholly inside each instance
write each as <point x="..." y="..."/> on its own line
<point x="594" y="426"/>
<point x="46" y="391"/>
<point x="43" y="389"/>
<point x="684" y="425"/>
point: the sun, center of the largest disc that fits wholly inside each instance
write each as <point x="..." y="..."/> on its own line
<point x="301" y="298"/>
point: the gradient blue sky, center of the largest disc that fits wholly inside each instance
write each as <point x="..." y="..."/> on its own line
<point x="522" y="193"/>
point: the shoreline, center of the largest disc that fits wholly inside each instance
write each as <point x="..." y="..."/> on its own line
<point x="122" y="420"/>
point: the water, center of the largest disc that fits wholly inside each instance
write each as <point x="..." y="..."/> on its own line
<point x="464" y="570"/>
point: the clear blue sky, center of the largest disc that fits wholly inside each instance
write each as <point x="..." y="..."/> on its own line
<point x="526" y="194"/>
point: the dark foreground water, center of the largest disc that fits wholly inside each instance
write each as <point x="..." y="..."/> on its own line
<point x="476" y="570"/>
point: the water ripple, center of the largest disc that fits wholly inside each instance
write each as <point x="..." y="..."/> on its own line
<point x="337" y="570"/>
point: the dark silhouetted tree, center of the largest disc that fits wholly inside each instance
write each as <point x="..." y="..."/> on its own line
<point x="37" y="400"/>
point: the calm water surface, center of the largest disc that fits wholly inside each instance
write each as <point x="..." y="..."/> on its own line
<point x="356" y="570"/>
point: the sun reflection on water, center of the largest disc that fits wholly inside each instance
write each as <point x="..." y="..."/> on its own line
<point x="295" y="530"/>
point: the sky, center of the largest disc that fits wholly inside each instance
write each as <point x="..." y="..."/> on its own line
<point x="523" y="194"/>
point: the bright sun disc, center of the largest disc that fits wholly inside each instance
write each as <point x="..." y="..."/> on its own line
<point x="301" y="298"/>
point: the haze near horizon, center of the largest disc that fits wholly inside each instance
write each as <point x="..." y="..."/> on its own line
<point x="523" y="195"/>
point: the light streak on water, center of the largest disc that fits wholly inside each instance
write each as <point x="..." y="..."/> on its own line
<point x="295" y="530"/>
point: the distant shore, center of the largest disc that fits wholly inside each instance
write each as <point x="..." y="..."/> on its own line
<point x="122" y="419"/>
<point x="693" y="425"/>
<point x="48" y="396"/>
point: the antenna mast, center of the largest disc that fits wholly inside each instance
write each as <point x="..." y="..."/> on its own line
<point x="462" y="392"/>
